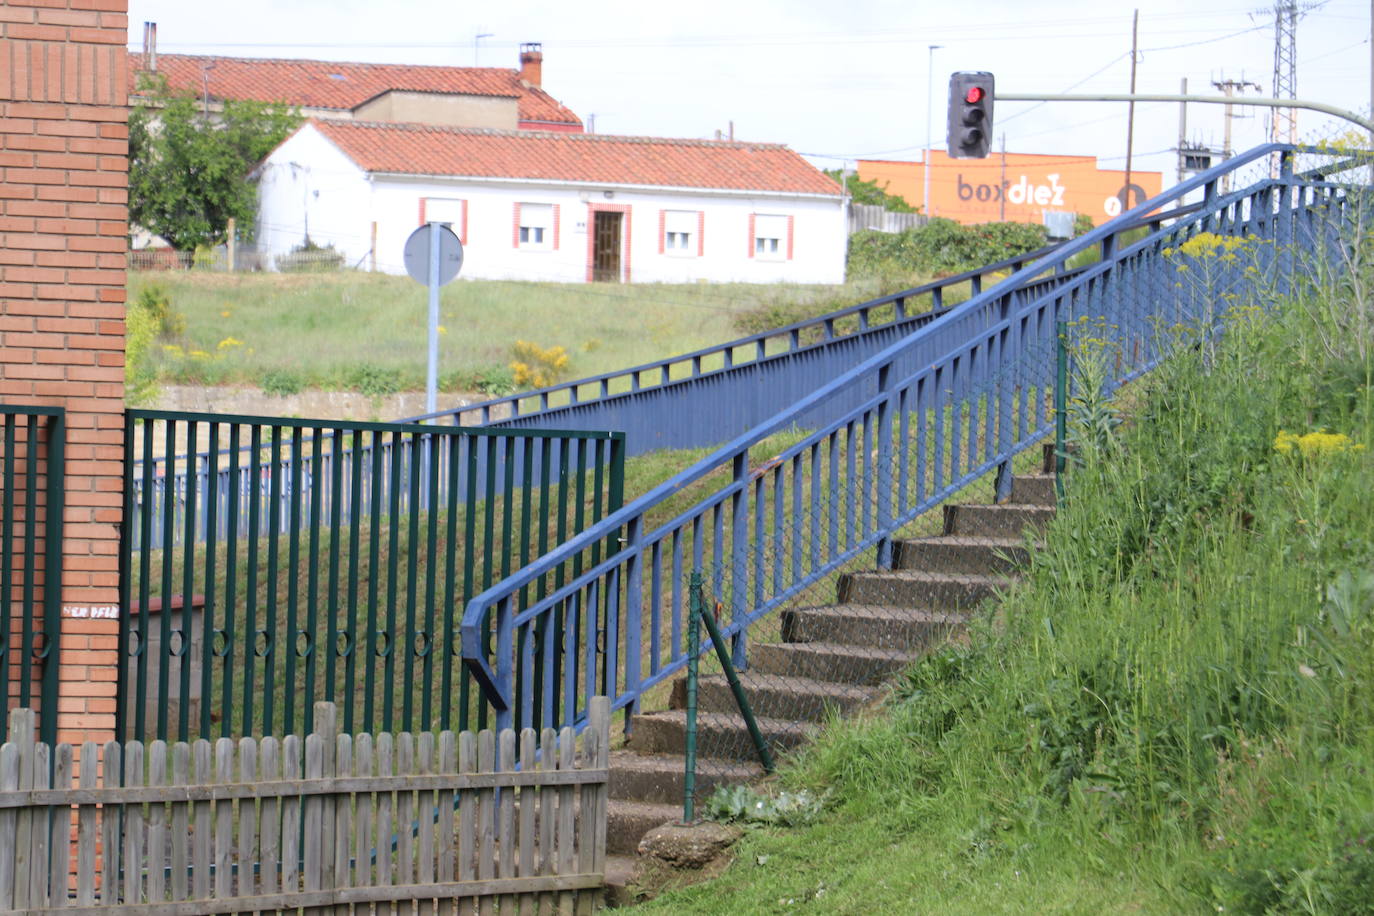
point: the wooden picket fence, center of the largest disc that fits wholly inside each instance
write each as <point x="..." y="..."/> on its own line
<point x="332" y="824"/>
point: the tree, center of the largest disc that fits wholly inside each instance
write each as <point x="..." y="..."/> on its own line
<point x="188" y="173"/>
<point x="868" y="192"/>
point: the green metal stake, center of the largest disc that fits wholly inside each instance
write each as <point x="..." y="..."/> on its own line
<point x="1061" y="405"/>
<point x="689" y="777"/>
<point x="723" y="654"/>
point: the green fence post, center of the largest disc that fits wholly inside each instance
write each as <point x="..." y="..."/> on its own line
<point x="1061" y="405"/>
<point x="689" y="782"/>
<point x="742" y="701"/>
<point x="52" y="576"/>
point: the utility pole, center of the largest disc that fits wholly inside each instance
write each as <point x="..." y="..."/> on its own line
<point x="925" y="156"/>
<point x="1002" y="198"/>
<point x="1183" y="123"/>
<point x="1130" y="112"/>
<point x="1228" y="88"/>
<point x="1283" y="123"/>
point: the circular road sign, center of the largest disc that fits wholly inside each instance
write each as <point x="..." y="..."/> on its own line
<point x="417" y="253"/>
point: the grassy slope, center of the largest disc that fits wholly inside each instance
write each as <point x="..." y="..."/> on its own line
<point x="1172" y="715"/>
<point x="323" y="326"/>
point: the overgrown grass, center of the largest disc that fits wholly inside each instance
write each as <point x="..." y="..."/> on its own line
<point x="364" y="331"/>
<point x="1172" y="713"/>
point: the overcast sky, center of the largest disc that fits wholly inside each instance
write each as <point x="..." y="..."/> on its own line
<point x="833" y="80"/>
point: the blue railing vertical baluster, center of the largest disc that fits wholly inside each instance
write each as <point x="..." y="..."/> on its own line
<point x="739" y="553"/>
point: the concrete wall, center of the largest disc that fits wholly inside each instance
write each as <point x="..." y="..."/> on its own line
<point x="439" y="108"/>
<point x="63" y="219"/>
<point x="342" y="205"/>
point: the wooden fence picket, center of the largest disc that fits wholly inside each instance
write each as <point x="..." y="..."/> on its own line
<point x="85" y="830"/>
<point x="329" y="824"/>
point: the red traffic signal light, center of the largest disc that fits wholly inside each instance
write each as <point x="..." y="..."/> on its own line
<point x="970" y="115"/>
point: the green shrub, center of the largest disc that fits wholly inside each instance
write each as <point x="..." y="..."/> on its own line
<point x="942" y="246"/>
<point x="171" y="324"/>
<point x="309" y="257"/>
<point x="374" y="381"/>
<point x="493" y="381"/>
<point x="282" y="382"/>
<point x="140" y="369"/>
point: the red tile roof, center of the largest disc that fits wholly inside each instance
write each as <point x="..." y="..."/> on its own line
<point x="421" y="149"/>
<point x="345" y="86"/>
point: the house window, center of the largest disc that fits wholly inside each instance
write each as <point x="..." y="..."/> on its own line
<point x="680" y="229"/>
<point x="450" y="210"/>
<point x="534" y="226"/>
<point x="772" y="237"/>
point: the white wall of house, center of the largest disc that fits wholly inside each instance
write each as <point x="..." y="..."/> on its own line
<point x="667" y="235"/>
<point x="308" y="186"/>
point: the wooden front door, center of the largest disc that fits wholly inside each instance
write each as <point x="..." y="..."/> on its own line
<point x="606" y="229"/>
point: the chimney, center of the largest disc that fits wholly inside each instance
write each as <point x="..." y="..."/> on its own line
<point x="150" y="46"/>
<point x="532" y="63"/>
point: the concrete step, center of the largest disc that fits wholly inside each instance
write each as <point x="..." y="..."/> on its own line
<point x="627" y="822"/>
<point x="961" y="554"/>
<point x="1005" y="521"/>
<point x="1033" y="489"/>
<point x="862" y="665"/>
<point x="659" y="778"/>
<point x="914" y="588"/>
<point x="718" y="735"/>
<point x="773" y="696"/>
<point x="877" y="627"/>
<point x="619" y="878"/>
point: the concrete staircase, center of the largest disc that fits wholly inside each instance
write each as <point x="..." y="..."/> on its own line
<point x="834" y="657"/>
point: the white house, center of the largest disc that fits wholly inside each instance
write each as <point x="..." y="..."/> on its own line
<point x="555" y="206"/>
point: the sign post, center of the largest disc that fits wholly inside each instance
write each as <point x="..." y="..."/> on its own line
<point x="433" y="256"/>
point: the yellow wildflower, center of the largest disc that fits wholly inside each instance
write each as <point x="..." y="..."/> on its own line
<point x="1314" y="444"/>
<point x="228" y="342"/>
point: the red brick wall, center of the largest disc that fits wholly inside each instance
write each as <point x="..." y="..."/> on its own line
<point x="63" y="222"/>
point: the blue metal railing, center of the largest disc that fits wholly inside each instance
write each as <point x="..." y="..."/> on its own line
<point x="891" y="439"/>
<point x="720" y="391"/>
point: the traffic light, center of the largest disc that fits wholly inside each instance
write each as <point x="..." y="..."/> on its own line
<point x="970" y="115"/>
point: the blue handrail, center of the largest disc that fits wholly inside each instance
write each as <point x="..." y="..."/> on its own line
<point x="718" y="394"/>
<point x="959" y="397"/>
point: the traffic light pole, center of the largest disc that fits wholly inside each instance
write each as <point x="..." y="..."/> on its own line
<point x="1350" y="116"/>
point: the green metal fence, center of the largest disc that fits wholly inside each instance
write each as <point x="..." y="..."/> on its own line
<point x="32" y="471"/>
<point x="269" y="563"/>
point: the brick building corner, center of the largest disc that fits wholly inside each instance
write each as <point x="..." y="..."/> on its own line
<point x="63" y="228"/>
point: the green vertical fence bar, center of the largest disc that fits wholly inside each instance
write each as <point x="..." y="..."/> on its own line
<point x="34" y="448"/>
<point x="386" y="530"/>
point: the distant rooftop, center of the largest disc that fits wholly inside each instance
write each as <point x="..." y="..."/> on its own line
<point x="344" y="86"/>
<point x="418" y="149"/>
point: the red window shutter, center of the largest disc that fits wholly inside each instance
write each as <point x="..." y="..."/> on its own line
<point x="463" y="235"/>
<point x="701" y="233"/>
<point x="751" y="235"/>
<point x="790" y="221"/>
<point x="555" y="226"/>
<point x="515" y="232"/>
<point x="422" y="210"/>
<point x="662" y="228"/>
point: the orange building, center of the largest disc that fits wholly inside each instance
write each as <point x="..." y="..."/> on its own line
<point x="1016" y="187"/>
